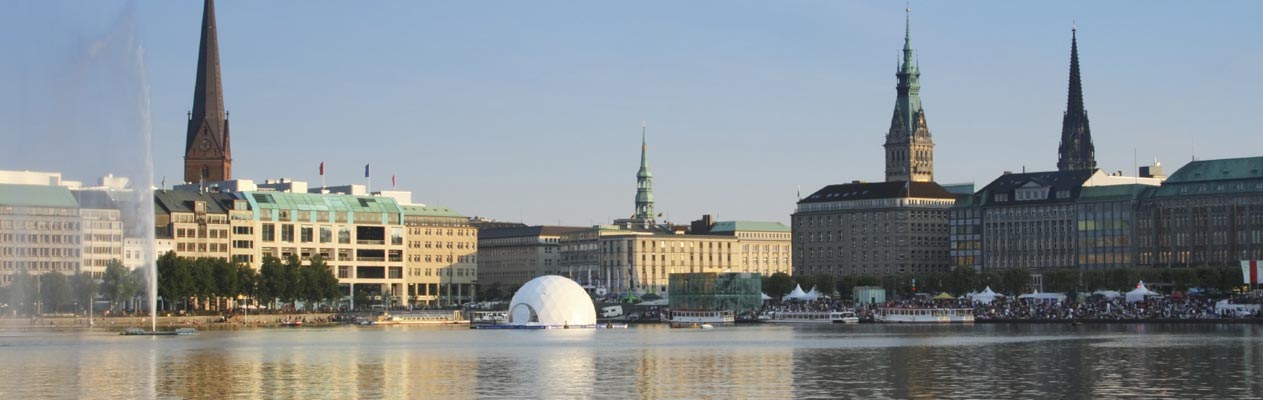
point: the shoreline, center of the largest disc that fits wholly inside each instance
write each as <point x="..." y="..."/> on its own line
<point x="200" y="322"/>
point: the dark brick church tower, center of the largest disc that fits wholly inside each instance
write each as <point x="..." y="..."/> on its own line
<point x="207" y="149"/>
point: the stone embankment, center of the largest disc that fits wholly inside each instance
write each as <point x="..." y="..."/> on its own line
<point x="200" y="321"/>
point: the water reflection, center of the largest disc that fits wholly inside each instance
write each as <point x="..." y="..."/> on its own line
<point x="867" y="361"/>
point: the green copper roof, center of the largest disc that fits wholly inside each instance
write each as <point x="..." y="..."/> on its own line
<point x="1112" y="192"/>
<point x="265" y="202"/>
<point x="1219" y="170"/>
<point x="430" y="211"/>
<point x="36" y="196"/>
<point x="747" y="226"/>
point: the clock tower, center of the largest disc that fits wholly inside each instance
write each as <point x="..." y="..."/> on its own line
<point x="207" y="150"/>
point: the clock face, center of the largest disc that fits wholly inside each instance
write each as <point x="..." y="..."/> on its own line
<point x="206" y="144"/>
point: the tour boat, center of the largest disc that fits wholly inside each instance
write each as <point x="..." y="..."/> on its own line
<point x="292" y="323"/>
<point x="924" y="315"/>
<point x="798" y="317"/>
<point x="691" y="318"/>
<point x="844" y="317"/>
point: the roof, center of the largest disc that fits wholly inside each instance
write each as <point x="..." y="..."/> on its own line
<point x="430" y="211"/>
<point x="94" y="199"/>
<point x="1054" y="180"/>
<point x="878" y="190"/>
<point x="745" y="226"/>
<point x="173" y="201"/>
<point x="1218" y="170"/>
<point x="36" y="196"/>
<point x="537" y="230"/>
<point x="320" y="202"/>
<point x="1112" y="192"/>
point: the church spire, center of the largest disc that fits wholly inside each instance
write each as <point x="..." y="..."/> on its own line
<point x="1076" y="151"/>
<point x="207" y="153"/>
<point x="644" y="184"/>
<point x="909" y="147"/>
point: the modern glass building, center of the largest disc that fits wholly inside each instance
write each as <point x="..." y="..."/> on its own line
<point x="709" y="291"/>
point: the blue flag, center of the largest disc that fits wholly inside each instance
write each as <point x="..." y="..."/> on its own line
<point x="365" y="170"/>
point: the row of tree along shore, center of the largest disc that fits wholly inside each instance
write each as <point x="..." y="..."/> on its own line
<point x="184" y="284"/>
<point x="1213" y="279"/>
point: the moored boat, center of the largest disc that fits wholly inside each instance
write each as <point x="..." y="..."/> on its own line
<point x="690" y="319"/>
<point x="924" y="315"/>
<point x="844" y="317"/>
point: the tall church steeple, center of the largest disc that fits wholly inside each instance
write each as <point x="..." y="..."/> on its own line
<point x="909" y="147"/>
<point x="207" y="148"/>
<point x="1076" y="151"/>
<point x="644" y="184"/>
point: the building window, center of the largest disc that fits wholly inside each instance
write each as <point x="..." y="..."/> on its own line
<point x="269" y="233"/>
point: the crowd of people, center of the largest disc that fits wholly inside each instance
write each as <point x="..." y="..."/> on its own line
<point x="1090" y="308"/>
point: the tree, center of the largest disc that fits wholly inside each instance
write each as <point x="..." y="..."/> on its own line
<point x="778" y="285"/>
<point x="962" y="280"/>
<point x="1014" y="280"/>
<point x="84" y="289"/>
<point x="272" y="284"/>
<point x="22" y="292"/>
<point x="224" y="274"/>
<point x="825" y="283"/>
<point x="114" y="284"/>
<point x="318" y="282"/>
<point x="494" y="291"/>
<point x="54" y="291"/>
<point x="174" y="278"/>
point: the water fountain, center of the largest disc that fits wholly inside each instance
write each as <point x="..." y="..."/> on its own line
<point x="82" y="109"/>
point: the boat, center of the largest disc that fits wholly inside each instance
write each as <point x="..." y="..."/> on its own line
<point x="798" y="317"/>
<point x="142" y="332"/>
<point x="292" y="323"/>
<point x="422" y="318"/>
<point x="698" y="318"/>
<point x="844" y="317"/>
<point x="924" y="315"/>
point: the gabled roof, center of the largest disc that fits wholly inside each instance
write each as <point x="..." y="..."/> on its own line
<point x="181" y="201"/>
<point x="36" y="196"/>
<point x="749" y="226"/>
<point x="1218" y="170"/>
<point x="1055" y="181"/>
<point x="878" y="190"/>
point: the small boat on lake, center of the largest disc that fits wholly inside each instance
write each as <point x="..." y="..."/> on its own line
<point x="844" y="317"/>
<point x="924" y="315"/>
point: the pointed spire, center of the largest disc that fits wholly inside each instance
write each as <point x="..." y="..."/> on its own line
<point x="907" y="27"/>
<point x="1076" y="151"/>
<point x="644" y="183"/>
<point x="644" y="149"/>
<point x="208" y="91"/>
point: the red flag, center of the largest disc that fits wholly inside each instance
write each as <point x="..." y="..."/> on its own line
<point x="322" y="168"/>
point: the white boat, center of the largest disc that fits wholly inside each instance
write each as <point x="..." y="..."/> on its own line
<point x="924" y="315"/>
<point x="798" y="317"/>
<point x="844" y="317"/>
<point x="690" y="318"/>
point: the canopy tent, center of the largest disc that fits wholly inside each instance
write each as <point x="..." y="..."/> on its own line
<point x="812" y="295"/>
<point x="944" y="296"/>
<point x="1043" y="297"/>
<point x="765" y="296"/>
<point x="1140" y="293"/>
<point x="986" y="297"/>
<point x="796" y="294"/>
<point x="1107" y="294"/>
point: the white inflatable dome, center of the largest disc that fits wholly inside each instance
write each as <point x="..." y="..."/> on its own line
<point x="553" y="301"/>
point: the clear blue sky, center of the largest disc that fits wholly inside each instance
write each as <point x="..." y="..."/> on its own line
<point x="515" y="109"/>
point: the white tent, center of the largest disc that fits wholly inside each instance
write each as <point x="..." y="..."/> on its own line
<point x="765" y="296"/>
<point x="1108" y="294"/>
<point x="812" y="295"/>
<point x="1043" y="297"/>
<point x="796" y="294"/>
<point x="986" y="297"/>
<point x="1140" y="293"/>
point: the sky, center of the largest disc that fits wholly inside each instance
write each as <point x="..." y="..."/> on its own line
<point x="531" y="111"/>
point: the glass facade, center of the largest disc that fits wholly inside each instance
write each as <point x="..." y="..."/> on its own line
<point x="1105" y="235"/>
<point x="709" y="291"/>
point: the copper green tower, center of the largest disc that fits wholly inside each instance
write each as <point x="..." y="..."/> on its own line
<point x="644" y="185"/>
<point x="909" y="147"/>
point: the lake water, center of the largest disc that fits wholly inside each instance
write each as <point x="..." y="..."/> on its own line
<point x="767" y="361"/>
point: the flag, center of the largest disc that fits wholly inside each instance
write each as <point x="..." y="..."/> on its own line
<point x="322" y="168"/>
<point x="1250" y="271"/>
<point x="366" y="170"/>
<point x="392" y="180"/>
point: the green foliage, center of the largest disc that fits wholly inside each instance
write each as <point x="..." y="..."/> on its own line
<point x="54" y="291"/>
<point x="778" y="285"/>
<point x="825" y="284"/>
<point x="84" y="289"/>
<point x="1014" y="281"/>
<point x="116" y="284"/>
<point x="494" y="291"/>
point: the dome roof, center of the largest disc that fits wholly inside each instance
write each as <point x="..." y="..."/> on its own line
<point x="551" y="300"/>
